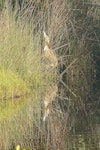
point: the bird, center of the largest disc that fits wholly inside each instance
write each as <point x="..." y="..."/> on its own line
<point x="50" y="96"/>
<point x="49" y="54"/>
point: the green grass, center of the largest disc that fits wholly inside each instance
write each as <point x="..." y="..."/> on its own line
<point x="67" y="24"/>
<point x="20" y="54"/>
<point x="11" y="85"/>
<point x="11" y="107"/>
<point x="21" y="72"/>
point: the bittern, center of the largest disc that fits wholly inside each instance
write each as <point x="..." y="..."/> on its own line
<point x="49" y="53"/>
<point x="50" y="96"/>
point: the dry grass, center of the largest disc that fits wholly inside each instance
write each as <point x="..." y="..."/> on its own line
<point x="73" y="28"/>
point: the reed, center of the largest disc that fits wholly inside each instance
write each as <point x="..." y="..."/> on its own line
<point x="73" y="29"/>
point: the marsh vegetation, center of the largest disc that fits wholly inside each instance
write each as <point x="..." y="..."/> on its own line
<point x="28" y="80"/>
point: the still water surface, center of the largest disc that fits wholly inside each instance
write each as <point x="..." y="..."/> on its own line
<point x="20" y="123"/>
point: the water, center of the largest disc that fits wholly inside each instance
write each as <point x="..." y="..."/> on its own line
<point x="86" y="141"/>
<point x="21" y="122"/>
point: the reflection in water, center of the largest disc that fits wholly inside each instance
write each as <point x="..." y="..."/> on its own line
<point x="50" y="95"/>
<point x="11" y="106"/>
<point x="86" y="141"/>
<point x="21" y="123"/>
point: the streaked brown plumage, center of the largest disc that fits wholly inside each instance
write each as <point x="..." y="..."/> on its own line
<point x="50" y="95"/>
<point x="49" y="53"/>
<point x="51" y="92"/>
